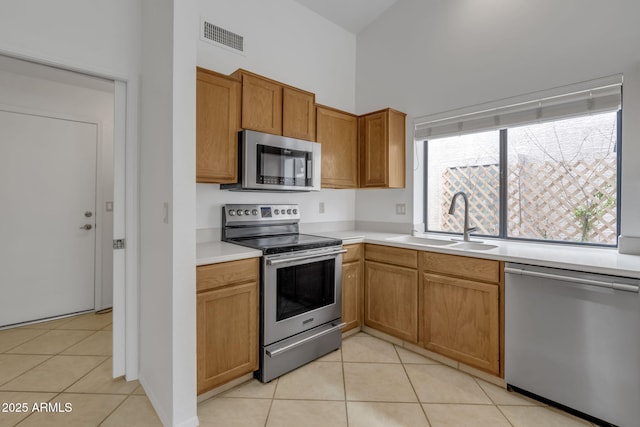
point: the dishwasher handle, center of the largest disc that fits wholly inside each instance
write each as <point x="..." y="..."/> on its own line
<point x="599" y="283"/>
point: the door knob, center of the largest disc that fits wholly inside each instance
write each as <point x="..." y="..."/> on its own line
<point x="86" y="227"/>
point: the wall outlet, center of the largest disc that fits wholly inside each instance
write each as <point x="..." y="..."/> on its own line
<point x="401" y="209"/>
<point x="321" y="207"/>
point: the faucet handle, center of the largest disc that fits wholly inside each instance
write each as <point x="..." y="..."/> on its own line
<point x="470" y="229"/>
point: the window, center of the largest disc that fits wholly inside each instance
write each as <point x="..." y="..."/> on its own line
<point x="562" y="180"/>
<point x="553" y="179"/>
<point x="468" y="163"/>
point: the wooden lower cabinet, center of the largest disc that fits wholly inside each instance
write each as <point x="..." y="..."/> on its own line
<point x="461" y="320"/>
<point x="227" y="325"/>
<point x="391" y="300"/>
<point x="352" y="287"/>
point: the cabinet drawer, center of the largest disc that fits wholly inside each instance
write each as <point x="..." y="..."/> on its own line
<point x="354" y="253"/>
<point x="226" y="273"/>
<point x="390" y="255"/>
<point x="462" y="266"/>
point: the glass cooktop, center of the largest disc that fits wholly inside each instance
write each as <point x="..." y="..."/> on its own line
<point x="286" y="243"/>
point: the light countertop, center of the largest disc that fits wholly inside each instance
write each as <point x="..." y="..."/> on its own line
<point x="588" y="259"/>
<point x="215" y="252"/>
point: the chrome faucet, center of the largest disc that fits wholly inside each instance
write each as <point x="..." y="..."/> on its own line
<point x="452" y="210"/>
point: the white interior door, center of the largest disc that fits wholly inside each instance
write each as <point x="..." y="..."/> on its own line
<point x="48" y="196"/>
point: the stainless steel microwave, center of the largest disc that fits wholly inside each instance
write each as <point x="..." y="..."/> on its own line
<point x="276" y="163"/>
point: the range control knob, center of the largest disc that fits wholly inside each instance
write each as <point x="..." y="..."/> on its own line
<point x="277" y="212"/>
<point x="288" y="211"/>
<point x="232" y="212"/>
<point x="295" y="211"/>
<point x="254" y="212"/>
<point x="239" y="212"/>
<point x="247" y="212"/>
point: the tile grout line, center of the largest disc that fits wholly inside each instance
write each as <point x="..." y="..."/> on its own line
<point x="273" y="396"/>
<point x="29" y="340"/>
<point x="495" y="404"/>
<point x="114" y="409"/>
<point x="57" y="394"/>
<point x="30" y="369"/>
<point x="395" y="348"/>
<point x="344" y="383"/>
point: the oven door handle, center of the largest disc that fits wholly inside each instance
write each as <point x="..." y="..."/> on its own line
<point x="304" y="340"/>
<point x="299" y="258"/>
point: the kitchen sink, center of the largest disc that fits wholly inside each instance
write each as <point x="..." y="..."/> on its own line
<point x="474" y="246"/>
<point x="420" y="240"/>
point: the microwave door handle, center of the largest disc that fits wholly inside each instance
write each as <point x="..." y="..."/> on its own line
<point x="299" y="258"/>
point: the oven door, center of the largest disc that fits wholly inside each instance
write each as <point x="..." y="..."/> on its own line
<point x="301" y="290"/>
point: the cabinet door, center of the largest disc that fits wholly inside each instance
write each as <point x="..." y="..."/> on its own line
<point x="261" y="105"/>
<point x="382" y="149"/>
<point x="298" y="114"/>
<point x="461" y="320"/>
<point x="338" y="133"/>
<point x="227" y="334"/>
<point x="352" y="295"/>
<point x="217" y="126"/>
<point x="374" y="165"/>
<point x="391" y="300"/>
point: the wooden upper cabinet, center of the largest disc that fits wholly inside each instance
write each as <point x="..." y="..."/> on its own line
<point x="272" y="107"/>
<point x="217" y="126"/>
<point x="261" y="104"/>
<point x="337" y="131"/>
<point x="382" y="149"/>
<point x="298" y="114"/>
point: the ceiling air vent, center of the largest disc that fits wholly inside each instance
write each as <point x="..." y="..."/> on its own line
<point x="220" y="36"/>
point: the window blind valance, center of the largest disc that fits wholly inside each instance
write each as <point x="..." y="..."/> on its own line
<point x="595" y="96"/>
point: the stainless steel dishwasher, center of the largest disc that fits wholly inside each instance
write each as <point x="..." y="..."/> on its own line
<point x="573" y="339"/>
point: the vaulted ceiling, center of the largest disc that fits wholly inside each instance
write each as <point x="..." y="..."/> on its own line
<point x="352" y="15"/>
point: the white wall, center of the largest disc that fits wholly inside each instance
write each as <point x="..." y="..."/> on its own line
<point x="286" y="42"/>
<point x="104" y="38"/>
<point x="426" y="57"/>
<point x="156" y="200"/>
<point x="167" y="209"/>
<point x="185" y="32"/>
<point x="291" y="44"/>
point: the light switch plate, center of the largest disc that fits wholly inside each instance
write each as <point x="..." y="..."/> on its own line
<point x="401" y="209"/>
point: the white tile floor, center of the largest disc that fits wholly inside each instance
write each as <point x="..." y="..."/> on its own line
<point x="67" y="361"/>
<point x="369" y="382"/>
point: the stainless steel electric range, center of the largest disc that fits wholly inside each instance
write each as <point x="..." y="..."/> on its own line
<point x="300" y="285"/>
